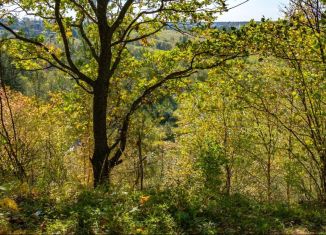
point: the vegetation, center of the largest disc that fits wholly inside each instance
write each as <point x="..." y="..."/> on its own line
<point x="147" y="117"/>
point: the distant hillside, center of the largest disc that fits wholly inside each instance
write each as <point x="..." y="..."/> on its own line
<point x="28" y="26"/>
<point x="35" y="27"/>
<point x="230" y="24"/>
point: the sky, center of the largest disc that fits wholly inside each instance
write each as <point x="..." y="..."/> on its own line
<point x="254" y="9"/>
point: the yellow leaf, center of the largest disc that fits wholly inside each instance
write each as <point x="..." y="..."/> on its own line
<point x="144" y="199"/>
<point x="140" y="231"/>
<point x="9" y="204"/>
<point x="69" y="34"/>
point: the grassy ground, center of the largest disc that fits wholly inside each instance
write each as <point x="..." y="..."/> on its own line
<point x="177" y="211"/>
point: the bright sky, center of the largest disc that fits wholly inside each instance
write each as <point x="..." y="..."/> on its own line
<point x="254" y="9"/>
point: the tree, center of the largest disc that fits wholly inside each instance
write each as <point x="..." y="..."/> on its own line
<point x="8" y="131"/>
<point x="105" y="29"/>
<point x="299" y="43"/>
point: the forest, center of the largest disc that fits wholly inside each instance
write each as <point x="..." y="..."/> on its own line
<point x="152" y="117"/>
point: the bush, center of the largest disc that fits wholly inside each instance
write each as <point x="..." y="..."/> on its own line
<point x="170" y="211"/>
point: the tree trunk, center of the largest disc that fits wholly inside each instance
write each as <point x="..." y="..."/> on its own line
<point x="323" y="178"/>
<point x="269" y="182"/>
<point x="288" y="192"/>
<point x="100" y="161"/>
<point x="140" y="159"/>
<point x="228" y="179"/>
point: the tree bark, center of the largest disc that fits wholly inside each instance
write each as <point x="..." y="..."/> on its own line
<point x="140" y="159"/>
<point x="100" y="161"/>
<point x="269" y="182"/>
<point x="228" y="179"/>
<point x="323" y="178"/>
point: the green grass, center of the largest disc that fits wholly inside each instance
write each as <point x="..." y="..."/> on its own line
<point x="174" y="211"/>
